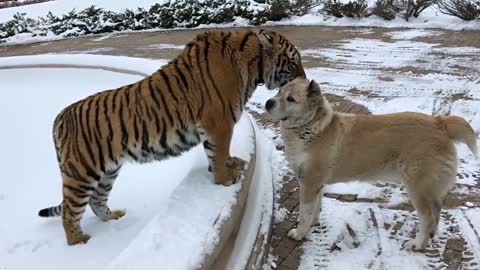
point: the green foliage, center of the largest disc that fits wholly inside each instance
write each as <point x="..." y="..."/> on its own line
<point x="352" y="9"/>
<point x="386" y="9"/>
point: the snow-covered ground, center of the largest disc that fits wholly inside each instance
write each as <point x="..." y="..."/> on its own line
<point x="174" y="210"/>
<point x="376" y="74"/>
<point x="429" y="18"/>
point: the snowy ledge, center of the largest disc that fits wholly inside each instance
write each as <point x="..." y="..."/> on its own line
<point x="204" y="226"/>
<point x="200" y="223"/>
<point x="121" y="64"/>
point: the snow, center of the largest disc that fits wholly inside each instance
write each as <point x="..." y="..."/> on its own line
<point x="400" y="75"/>
<point x="365" y="61"/>
<point x="142" y="65"/>
<point x="165" y="46"/>
<point x="258" y="212"/>
<point x="379" y="236"/>
<point x="412" y="34"/>
<point x="361" y="63"/>
<point x="469" y="220"/>
<point x="429" y="18"/>
<point x="174" y="209"/>
<point x="180" y="236"/>
<point x="363" y="190"/>
<point x="367" y="52"/>
<point x="362" y="248"/>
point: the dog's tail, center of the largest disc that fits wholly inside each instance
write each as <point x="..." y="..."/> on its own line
<point x="460" y="130"/>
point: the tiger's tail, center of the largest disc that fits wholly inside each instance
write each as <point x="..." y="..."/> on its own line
<point x="53" y="211"/>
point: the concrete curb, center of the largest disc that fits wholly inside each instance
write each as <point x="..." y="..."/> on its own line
<point x="218" y="259"/>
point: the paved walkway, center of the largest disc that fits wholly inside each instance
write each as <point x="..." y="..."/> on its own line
<point x="156" y="44"/>
<point x="328" y="52"/>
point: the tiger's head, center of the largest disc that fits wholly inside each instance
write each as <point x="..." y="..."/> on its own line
<point x="281" y="60"/>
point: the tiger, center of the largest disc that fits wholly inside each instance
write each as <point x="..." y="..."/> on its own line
<point x="195" y="98"/>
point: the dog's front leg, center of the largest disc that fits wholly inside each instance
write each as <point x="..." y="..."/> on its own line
<point x="318" y="207"/>
<point x="309" y="208"/>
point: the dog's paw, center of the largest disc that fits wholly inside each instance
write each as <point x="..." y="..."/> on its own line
<point x="414" y="245"/>
<point x="296" y="234"/>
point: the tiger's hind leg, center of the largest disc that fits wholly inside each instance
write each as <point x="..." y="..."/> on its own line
<point x="76" y="194"/>
<point x="98" y="200"/>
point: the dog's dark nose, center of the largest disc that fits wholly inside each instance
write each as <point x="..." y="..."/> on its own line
<point x="270" y="103"/>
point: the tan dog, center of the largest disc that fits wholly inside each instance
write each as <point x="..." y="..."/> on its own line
<point x="325" y="147"/>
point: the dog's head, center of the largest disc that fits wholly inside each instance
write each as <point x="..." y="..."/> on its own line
<point x="296" y="103"/>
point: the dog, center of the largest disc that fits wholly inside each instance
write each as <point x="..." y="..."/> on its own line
<point x="323" y="147"/>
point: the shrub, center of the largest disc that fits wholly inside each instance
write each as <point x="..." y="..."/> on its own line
<point x="301" y="7"/>
<point x="466" y="10"/>
<point x="332" y="7"/>
<point x="280" y="9"/>
<point x="386" y="9"/>
<point x="357" y="8"/>
<point x="413" y="8"/>
<point x="19" y="24"/>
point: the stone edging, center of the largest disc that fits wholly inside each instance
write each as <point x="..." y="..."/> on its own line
<point x="218" y="259"/>
<point x="119" y="70"/>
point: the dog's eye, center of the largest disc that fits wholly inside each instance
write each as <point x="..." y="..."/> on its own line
<point x="290" y="99"/>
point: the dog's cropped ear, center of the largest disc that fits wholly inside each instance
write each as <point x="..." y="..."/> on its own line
<point x="313" y="89"/>
<point x="266" y="40"/>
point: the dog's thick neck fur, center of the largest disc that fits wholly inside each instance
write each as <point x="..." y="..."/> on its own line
<point x="297" y="138"/>
<point x="319" y="121"/>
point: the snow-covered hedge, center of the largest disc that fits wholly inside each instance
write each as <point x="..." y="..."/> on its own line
<point x="466" y="10"/>
<point x="352" y="9"/>
<point x="386" y="9"/>
<point x="172" y="14"/>
<point x="409" y="8"/>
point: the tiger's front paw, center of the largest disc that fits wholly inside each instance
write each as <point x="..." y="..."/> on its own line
<point x="231" y="177"/>
<point x="236" y="163"/>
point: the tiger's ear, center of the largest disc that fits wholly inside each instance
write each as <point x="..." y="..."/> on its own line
<point x="266" y="40"/>
<point x="313" y="89"/>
